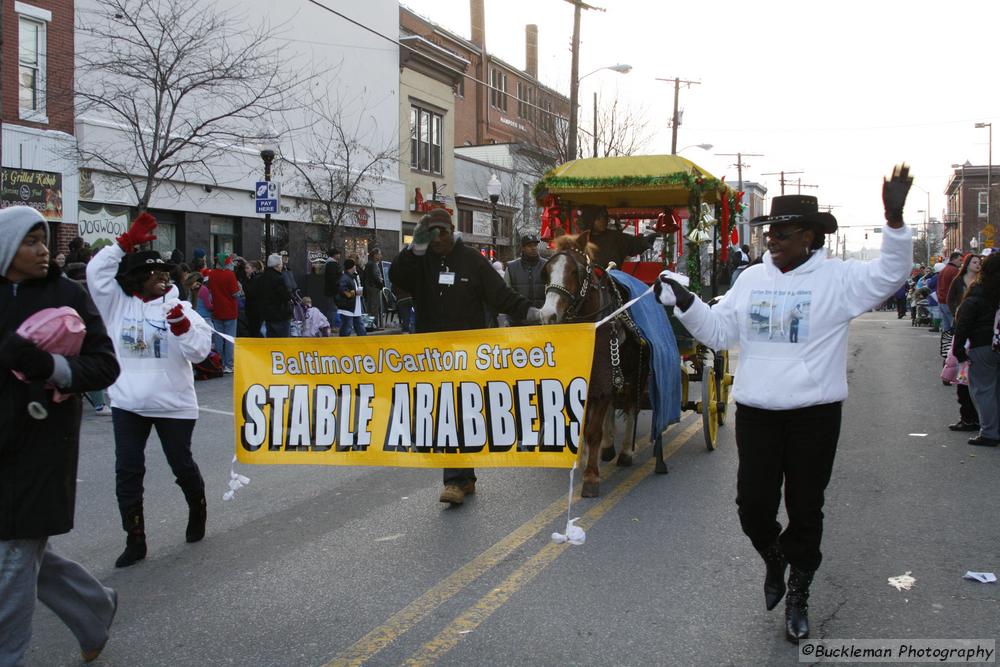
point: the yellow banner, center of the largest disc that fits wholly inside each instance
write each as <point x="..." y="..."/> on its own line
<point x="461" y="399"/>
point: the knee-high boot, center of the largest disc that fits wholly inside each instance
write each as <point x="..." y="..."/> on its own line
<point x="797" y="605"/>
<point x="135" y="536"/>
<point x="197" y="517"/>
<point x="774" y="577"/>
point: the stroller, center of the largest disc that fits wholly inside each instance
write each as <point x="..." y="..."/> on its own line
<point x="921" y="313"/>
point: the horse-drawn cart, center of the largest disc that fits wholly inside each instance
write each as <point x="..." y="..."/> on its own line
<point x="687" y="207"/>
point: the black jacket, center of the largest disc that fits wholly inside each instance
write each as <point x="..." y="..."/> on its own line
<point x="348" y="292"/>
<point x="614" y="246"/>
<point x="331" y="279"/>
<point x="974" y="320"/>
<point x="459" y="306"/>
<point x="371" y="276"/>
<point x="38" y="458"/>
<point x="269" y="299"/>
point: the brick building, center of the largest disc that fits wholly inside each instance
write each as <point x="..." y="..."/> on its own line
<point x="36" y="112"/>
<point x="965" y="220"/>
<point x="497" y="103"/>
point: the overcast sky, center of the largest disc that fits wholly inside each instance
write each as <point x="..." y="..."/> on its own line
<point x="838" y="90"/>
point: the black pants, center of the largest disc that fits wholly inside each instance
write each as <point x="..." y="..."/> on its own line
<point x="791" y="447"/>
<point x="459" y="476"/>
<point x="131" y="433"/>
<point x="901" y="308"/>
<point x="966" y="408"/>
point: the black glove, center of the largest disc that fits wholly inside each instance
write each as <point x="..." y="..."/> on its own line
<point x="961" y="354"/>
<point x="894" y="191"/>
<point x="20" y="354"/>
<point x="677" y="295"/>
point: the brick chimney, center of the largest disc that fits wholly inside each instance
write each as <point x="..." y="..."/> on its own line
<point x="531" y="50"/>
<point x="477" y="14"/>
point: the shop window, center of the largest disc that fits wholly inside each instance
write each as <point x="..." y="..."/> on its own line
<point x="465" y="221"/>
<point x="223" y="236"/>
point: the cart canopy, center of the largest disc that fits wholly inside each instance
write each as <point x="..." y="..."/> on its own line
<point x="630" y="181"/>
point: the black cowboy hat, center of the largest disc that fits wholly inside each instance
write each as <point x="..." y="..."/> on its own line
<point x="797" y="208"/>
<point x="145" y="259"/>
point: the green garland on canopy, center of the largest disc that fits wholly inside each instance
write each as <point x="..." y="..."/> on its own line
<point x="688" y="180"/>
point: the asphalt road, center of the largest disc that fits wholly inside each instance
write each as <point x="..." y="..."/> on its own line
<point x="316" y="566"/>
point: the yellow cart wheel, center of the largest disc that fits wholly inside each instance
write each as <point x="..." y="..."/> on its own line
<point x="724" y="380"/>
<point x="709" y="407"/>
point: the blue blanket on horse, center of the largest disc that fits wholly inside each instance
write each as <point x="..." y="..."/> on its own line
<point x="665" y="378"/>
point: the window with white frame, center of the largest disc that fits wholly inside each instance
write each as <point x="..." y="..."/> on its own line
<point x="498" y="85"/>
<point x="545" y="114"/>
<point x="31" y="56"/>
<point x="425" y="140"/>
<point x="525" y="101"/>
<point x="983" y="204"/>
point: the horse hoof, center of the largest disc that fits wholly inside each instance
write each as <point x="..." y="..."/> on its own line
<point x="624" y="460"/>
<point x="591" y="490"/>
<point x="608" y="454"/>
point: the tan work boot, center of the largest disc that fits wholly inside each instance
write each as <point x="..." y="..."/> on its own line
<point x="453" y="494"/>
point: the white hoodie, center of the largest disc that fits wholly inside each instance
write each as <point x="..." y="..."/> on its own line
<point x="792" y="327"/>
<point x="156" y="378"/>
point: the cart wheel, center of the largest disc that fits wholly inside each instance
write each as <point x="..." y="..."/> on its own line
<point x="709" y="407"/>
<point x="685" y="381"/>
<point x="724" y="381"/>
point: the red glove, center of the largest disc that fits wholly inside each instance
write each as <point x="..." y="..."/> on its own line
<point x="178" y="321"/>
<point x="141" y="231"/>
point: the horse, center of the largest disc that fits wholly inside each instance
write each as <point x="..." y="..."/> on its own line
<point x="578" y="291"/>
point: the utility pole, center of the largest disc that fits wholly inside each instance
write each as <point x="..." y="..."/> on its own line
<point x="595" y="123"/>
<point x="574" y="81"/>
<point x="676" y="117"/>
<point x="800" y="185"/>
<point x="783" y="180"/>
<point x="739" y="170"/>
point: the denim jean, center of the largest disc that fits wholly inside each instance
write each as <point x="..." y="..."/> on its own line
<point x="334" y="317"/>
<point x="355" y="323"/>
<point x="220" y="344"/>
<point x="131" y="434"/>
<point x="30" y="570"/>
<point x="946" y="318"/>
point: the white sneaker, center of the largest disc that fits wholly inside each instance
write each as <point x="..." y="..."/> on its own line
<point x="103" y="410"/>
<point x="228" y="370"/>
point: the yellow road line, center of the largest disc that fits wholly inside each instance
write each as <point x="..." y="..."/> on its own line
<point x="406" y="618"/>
<point x="471" y="618"/>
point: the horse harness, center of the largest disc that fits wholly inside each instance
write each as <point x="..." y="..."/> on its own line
<point x="587" y="279"/>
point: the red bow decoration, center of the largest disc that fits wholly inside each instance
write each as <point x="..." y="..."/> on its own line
<point x="551" y="224"/>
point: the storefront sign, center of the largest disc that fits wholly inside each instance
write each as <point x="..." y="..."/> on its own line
<point x="482" y="223"/>
<point x="482" y="398"/>
<point x="41" y="190"/>
<point x="96" y="222"/>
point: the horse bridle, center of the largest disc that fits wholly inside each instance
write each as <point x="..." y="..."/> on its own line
<point x="584" y="274"/>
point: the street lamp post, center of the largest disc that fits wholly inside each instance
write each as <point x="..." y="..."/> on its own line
<point x="989" y="170"/>
<point x="267" y="155"/>
<point x="493" y="190"/>
<point x="574" y="111"/>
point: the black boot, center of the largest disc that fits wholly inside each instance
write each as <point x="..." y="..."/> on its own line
<point x="197" y="516"/>
<point x="797" y="605"/>
<point x="774" y="577"/>
<point x="135" y="540"/>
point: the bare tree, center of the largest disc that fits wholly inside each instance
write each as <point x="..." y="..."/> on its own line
<point x="340" y="157"/>
<point x="621" y="130"/>
<point x="180" y="83"/>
